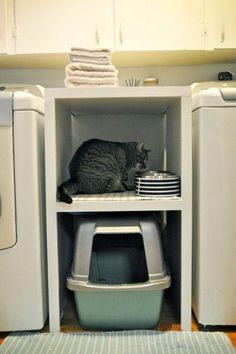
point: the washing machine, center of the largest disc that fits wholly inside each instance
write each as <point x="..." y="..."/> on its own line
<point x="214" y="204"/>
<point x="23" y="280"/>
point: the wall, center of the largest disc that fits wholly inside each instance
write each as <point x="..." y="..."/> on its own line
<point x="168" y="75"/>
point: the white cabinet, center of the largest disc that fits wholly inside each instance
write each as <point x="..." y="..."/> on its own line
<point x="151" y="25"/>
<point x="220" y="24"/>
<point x="55" y="26"/>
<point x="6" y="27"/>
<point x="158" y="25"/>
<point x="161" y="117"/>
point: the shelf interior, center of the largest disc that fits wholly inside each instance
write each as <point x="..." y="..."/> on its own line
<point x="154" y="120"/>
<point x="118" y="105"/>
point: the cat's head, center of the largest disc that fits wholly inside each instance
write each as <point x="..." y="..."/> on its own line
<point x="141" y="156"/>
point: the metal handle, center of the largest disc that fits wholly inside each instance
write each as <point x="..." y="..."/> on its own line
<point x="121" y="35"/>
<point x="97" y="35"/>
<point x="222" y="34"/>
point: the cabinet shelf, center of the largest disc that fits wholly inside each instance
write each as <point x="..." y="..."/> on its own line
<point x="112" y="202"/>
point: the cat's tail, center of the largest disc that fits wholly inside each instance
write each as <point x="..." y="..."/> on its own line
<point x="66" y="190"/>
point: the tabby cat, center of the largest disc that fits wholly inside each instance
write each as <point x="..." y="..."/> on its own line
<point x="100" y="166"/>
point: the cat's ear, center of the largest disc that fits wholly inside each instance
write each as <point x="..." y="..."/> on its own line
<point x="147" y="151"/>
<point x="140" y="146"/>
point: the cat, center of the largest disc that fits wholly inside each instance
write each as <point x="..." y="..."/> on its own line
<point x="100" y="166"/>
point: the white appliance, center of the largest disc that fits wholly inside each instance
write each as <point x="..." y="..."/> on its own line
<point x="214" y="204"/>
<point x="23" y="286"/>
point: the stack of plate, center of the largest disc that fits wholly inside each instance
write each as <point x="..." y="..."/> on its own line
<point x="157" y="184"/>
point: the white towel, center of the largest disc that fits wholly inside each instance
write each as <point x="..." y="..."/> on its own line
<point x="91" y="67"/>
<point x="98" y="51"/>
<point x="102" y="55"/>
<point x="76" y="80"/>
<point x="71" y="85"/>
<point x="96" y="56"/>
<point x="91" y="74"/>
<point x="89" y="60"/>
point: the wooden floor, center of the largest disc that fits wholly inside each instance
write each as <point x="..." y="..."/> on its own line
<point x="169" y="321"/>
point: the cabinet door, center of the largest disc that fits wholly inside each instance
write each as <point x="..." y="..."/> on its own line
<point x="158" y="24"/>
<point x="57" y="25"/>
<point x="6" y="27"/>
<point x="220" y="17"/>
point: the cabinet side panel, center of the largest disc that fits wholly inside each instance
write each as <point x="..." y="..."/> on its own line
<point x="63" y="142"/>
<point x="65" y="253"/>
<point x="173" y="138"/>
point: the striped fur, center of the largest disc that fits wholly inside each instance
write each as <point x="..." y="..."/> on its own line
<point x="100" y="166"/>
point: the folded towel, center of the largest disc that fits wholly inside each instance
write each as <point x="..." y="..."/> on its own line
<point x="72" y="85"/>
<point x="88" y="60"/>
<point x="96" y="56"/>
<point x="83" y="73"/>
<point x="91" y="81"/>
<point x="91" y="67"/>
<point x="91" y="51"/>
<point x="100" y="56"/>
<point x="73" y="69"/>
<point x="82" y="56"/>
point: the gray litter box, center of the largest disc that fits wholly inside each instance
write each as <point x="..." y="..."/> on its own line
<point x="118" y="274"/>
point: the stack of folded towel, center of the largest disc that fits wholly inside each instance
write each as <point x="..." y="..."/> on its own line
<point x="89" y="68"/>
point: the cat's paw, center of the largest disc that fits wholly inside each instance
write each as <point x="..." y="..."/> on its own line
<point x="129" y="186"/>
<point x="114" y="185"/>
<point x="65" y="198"/>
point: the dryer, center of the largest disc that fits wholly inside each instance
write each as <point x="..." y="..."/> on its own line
<point x="214" y="191"/>
<point x="23" y="280"/>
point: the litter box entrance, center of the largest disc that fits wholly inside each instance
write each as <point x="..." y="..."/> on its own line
<point x="118" y="259"/>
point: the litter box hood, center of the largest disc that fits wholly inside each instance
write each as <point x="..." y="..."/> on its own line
<point x="128" y="226"/>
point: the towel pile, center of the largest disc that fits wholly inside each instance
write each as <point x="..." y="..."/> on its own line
<point x="89" y="68"/>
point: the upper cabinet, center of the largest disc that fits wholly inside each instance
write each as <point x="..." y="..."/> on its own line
<point x="158" y="25"/>
<point x="124" y="26"/>
<point x="7" y="40"/>
<point x="57" y="25"/>
<point x="220" y="20"/>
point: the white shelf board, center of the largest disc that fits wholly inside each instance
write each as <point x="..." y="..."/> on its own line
<point x="126" y="201"/>
<point x="119" y="100"/>
<point x="118" y="92"/>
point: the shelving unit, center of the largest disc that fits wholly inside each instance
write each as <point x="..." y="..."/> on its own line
<point x="159" y="116"/>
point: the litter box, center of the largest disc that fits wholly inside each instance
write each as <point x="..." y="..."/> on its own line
<point x="118" y="274"/>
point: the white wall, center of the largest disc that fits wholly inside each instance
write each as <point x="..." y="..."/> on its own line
<point x="168" y="75"/>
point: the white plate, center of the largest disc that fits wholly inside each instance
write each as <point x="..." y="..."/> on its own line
<point x="156" y="182"/>
<point x="151" y="180"/>
<point x="145" y="191"/>
<point x="164" y="188"/>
